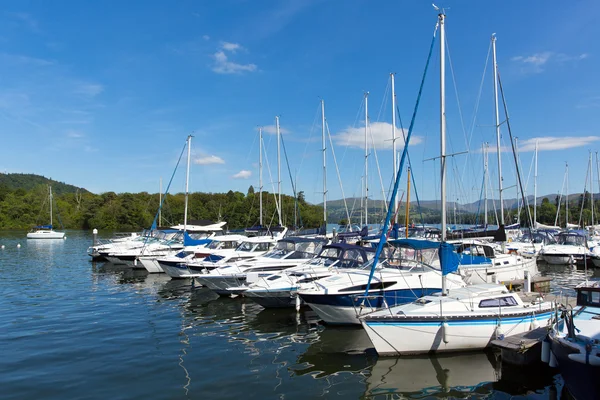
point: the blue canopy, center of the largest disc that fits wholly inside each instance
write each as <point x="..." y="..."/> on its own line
<point x="448" y="258"/>
<point x="43" y="227"/>
<point x="189" y="241"/>
<point x="416" y="244"/>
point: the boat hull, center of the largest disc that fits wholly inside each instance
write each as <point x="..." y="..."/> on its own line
<point x="344" y="309"/>
<point x="150" y="264"/>
<point x="46" y="235"/>
<point x="280" y="298"/>
<point x="175" y="271"/>
<point x="581" y="379"/>
<point x="411" y="336"/>
<point x="219" y="284"/>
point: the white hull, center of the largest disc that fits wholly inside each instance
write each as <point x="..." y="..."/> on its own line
<point x="150" y="264"/>
<point x="464" y="334"/>
<point x="176" y="272"/>
<point x="45" y="235"/>
<point x="339" y="315"/>
<point x="558" y="259"/>
<point x="474" y="275"/>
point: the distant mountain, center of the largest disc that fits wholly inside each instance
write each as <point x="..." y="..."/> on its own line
<point x="334" y="206"/>
<point x="30" y="181"/>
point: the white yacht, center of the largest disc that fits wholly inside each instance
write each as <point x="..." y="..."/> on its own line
<point x="403" y="274"/>
<point x="466" y="318"/>
<point x="287" y="253"/>
<point x="280" y="289"/>
<point x="571" y="248"/>
<point x="173" y="264"/>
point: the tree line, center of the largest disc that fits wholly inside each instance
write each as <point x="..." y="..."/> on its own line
<point x="22" y="208"/>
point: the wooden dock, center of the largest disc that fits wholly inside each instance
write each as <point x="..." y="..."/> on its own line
<point x="523" y="348"/>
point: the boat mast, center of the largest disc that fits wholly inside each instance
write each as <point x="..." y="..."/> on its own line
<point x="260" y="183"/>
<point x="366" y="158"/>
<point x="567" y="198"/>
<point x="159" y="200"/>
<point x="498" y="134"/>
<point x="485" y="189"/>
<point x="407" y="200"/>
<point x="592" y="189"/>
<point x="187" y="181"/>
<point x="392" y="75"/>
<point x="324" y="164"/>
<point x="278" y="170"/>
<point x="50" y="190"/>
<point x="441" y="17"/>
<point x="535" y="186"/>
<point x="517" y="185"/>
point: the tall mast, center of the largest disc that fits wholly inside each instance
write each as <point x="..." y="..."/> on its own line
<point x="592" y="190"/>
<point x="485" y="189"/>
<point x="443" y="134"/>
<point x="535" y="186"/>
<point x="407" y="201"/>
<point x="517" y="185"/>
<point x="324" y="164"/>
<point x="392" y="75"/>
<point x="278" y="170"/>
<point x="187" y="181"/>
<point x="159" y="200"/>
<point x="498" y="130"/>
<point x="366" y="158"/>
<point x="567" y="199"/>
<point x="260" y="182"/>
<point x="50" y="190"/>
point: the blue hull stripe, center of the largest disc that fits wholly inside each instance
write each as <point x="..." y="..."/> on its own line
<point x="490" y="321"/>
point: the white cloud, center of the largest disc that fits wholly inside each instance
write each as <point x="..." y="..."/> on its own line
<point x="223" y="64"/>
<point x="207" y="160"/>
<point x="243" y="174"/>
<point x="21" y="59"/>
<point x="88" y="89"/>
<point x="535" y="62"/>
<point x="550" y="143"/>
<point x="232" y="47"/>
<point x="381" y="133"/>
<point x="75" y="134"/>
<point x="206" y="37"/>
<point x="272" y="129"/>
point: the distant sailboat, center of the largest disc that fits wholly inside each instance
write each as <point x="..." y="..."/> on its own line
<point x="46" y="231"/>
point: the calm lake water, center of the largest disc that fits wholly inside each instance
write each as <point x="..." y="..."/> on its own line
<point x="73" y="329"/>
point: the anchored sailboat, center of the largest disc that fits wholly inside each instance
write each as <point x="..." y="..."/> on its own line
<point x="46" y="231"/>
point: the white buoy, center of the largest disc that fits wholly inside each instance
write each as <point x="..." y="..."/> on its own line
<point x="545" y="351"/>
<point x="95" y="234"/>
<point x="534" y="323"/>
<point x="553" y="362"/>
<point x="18" y="245"/>
<point x="297" y="303"/>
<point x="445" y="328"/>
<point x="499" y="331"/>
<point x="2" y="247"/>
<point x="135" y="261"/>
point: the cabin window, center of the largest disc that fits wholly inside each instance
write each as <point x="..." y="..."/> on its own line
<point x="272" y="278"/>
<point x="309" y="279"/>
<point x="507" y="301"/>
<point x="374" y="286"/>
<point x="588" y="298"/>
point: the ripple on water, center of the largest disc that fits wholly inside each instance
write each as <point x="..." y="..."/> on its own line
<point x="76" y="329"/>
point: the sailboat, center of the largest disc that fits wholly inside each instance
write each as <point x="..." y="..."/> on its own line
<point x="46" y="231"/>
<point x="458" y="319"/>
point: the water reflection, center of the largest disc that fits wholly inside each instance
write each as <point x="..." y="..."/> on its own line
<point x="455" y="375"/>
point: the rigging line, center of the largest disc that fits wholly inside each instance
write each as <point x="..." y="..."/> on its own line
<point x="309" y="140"/>
<point x="412" y="175"/>
<point x="560" y="200"/>
<point x="287" y="161"/>
<point x="388" y="217"/>
<point x="587" y="174"/>
<point x="462" y="122"/>
<point x="514" y="151"/>
<point x="384" y="100"/>
<point x="338" y="173"/>
<point x="272" y="182"/>
<point x="153" y="226"/>
<point x="250" y="149"/>
<point x="383" y="196"/>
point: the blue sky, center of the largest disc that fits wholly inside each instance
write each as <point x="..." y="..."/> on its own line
<point x="103" y="94"/>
